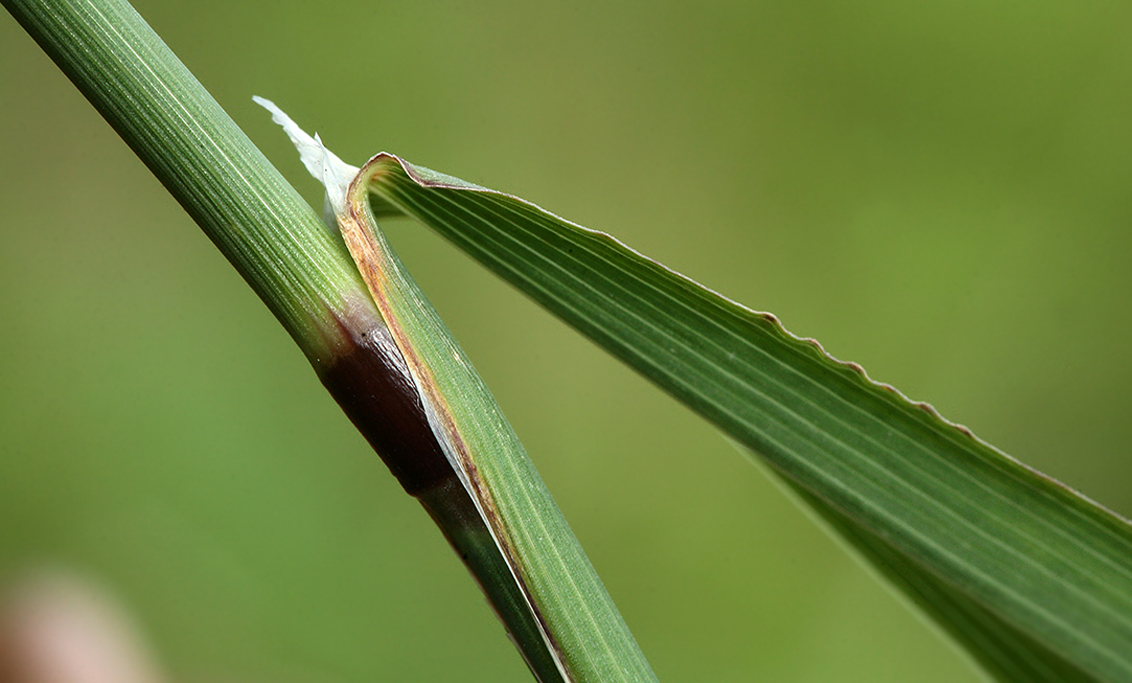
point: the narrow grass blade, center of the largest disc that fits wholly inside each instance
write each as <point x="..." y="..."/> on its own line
<point x="1032" y="578"/>
<point x="470" y="472"/>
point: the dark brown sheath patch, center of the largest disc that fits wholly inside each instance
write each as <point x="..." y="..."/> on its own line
<point x="372" y="384"/>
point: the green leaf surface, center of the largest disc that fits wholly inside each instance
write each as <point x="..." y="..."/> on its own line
<point x="1032" y="578"/>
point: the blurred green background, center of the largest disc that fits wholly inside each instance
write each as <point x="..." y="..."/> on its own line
<point x="937" y="190"/>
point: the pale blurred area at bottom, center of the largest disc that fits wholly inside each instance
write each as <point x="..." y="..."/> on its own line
<point x="56" y="627"/>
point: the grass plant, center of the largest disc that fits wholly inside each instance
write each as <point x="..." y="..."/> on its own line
<point x="1034" y="580"/>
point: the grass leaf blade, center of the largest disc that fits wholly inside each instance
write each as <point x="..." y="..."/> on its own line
<point x="1037" y="567"/>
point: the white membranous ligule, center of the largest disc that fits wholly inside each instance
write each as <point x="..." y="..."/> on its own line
<point x="334" y="174"/>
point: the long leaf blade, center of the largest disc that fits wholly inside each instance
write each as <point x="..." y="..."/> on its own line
<point x="1014" y="563"/>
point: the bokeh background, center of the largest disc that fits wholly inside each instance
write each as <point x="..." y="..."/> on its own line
<point x="937" y="190"/>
